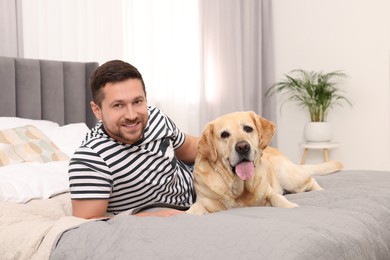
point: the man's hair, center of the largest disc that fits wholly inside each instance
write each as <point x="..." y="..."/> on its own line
<point x="111" y="72"/>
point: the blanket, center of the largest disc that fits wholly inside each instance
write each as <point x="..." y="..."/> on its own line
<point x="27" y="231"/>
<point x="348" y="220"/>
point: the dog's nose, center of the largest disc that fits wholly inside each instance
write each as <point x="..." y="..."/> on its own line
<point x="242" y="147"/>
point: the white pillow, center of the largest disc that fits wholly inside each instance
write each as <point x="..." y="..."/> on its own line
<point x="12" y="122"/>
<point x="68" y="137"/>
<point x="22" y="182"/>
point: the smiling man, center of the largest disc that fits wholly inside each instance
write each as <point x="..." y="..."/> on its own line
<point x="134" y="157"/>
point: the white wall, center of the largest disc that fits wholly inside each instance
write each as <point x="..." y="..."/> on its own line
<point x="351" y="35"/>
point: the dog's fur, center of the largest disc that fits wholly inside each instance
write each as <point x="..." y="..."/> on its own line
<point x="230" y="147"/>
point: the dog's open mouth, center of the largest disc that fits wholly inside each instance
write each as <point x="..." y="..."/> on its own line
<point x="244" y="169"/>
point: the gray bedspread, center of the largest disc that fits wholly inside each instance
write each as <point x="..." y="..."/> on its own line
<point x="349" y="220"/>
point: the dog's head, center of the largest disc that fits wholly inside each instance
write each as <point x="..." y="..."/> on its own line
<point x="236" y="141"/>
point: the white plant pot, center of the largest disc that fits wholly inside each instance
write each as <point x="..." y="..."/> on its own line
<point x="318" y="131"/>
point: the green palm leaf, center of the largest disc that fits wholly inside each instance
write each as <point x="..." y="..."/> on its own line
<point x="315" y="91"/>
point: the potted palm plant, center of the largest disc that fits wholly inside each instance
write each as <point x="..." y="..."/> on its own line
<point x="317" y="92"/>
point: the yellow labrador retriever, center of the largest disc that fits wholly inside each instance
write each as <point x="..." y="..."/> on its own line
<point x="235" y="167"/>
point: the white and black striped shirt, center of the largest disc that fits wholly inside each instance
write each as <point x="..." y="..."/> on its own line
<point x="132" y="176"/>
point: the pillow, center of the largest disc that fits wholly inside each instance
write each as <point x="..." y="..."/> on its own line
<point x="68" y="137"/>
<point x="12" y="122"/>
<point x="27" y="144"/>
<point x="20" y="183"/>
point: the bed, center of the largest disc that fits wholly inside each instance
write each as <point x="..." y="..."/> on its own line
<point x="48" y="101"/>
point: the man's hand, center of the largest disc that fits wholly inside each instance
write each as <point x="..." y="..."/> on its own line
<point x="160" y="213"/>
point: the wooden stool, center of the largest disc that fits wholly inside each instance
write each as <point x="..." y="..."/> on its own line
<point x="317" y="145"/>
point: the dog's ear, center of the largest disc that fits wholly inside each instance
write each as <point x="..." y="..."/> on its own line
<point x="206" y="145"/>
<point x="265" y="128"/>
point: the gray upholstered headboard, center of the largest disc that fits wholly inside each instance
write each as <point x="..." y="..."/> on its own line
<point x="41" y="89"/>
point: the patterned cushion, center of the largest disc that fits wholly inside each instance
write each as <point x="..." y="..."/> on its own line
<point x="27" y="144"/>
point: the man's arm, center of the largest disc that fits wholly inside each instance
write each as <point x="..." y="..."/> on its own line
<point x="160" y="213"/>
<point x="188" y="151"/>
<point x="89" y="208"/>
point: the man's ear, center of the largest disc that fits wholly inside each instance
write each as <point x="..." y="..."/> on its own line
<point x="265" y="128"/>
<point x="206" y="146"/>
<point x="96" y="110"/>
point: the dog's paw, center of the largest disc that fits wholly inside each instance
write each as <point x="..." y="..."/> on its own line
<point x="278" y="200"/>
<point x="197" y="209"/>
<point x="293" y="205"/>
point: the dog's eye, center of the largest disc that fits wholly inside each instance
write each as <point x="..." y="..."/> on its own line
<point x="225" y="134"/>
<point x="248" y="129"/>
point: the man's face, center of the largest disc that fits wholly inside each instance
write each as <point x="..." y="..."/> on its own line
<point x="123" y="111"/>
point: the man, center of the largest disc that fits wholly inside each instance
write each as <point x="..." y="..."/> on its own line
<point x="135" y="156"/>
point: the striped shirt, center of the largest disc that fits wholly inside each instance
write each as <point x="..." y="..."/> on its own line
<point x="131" y="176"/>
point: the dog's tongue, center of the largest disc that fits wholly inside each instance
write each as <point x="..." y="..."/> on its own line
<point x="245" y="170"/>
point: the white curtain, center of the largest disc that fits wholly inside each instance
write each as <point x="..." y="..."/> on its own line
<point x="236" y="57"/>
<point x="162" y="41"/>
<point x="73" y="30"/>
<point x="199" y="58"/>
<point x="11" y="41"/>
